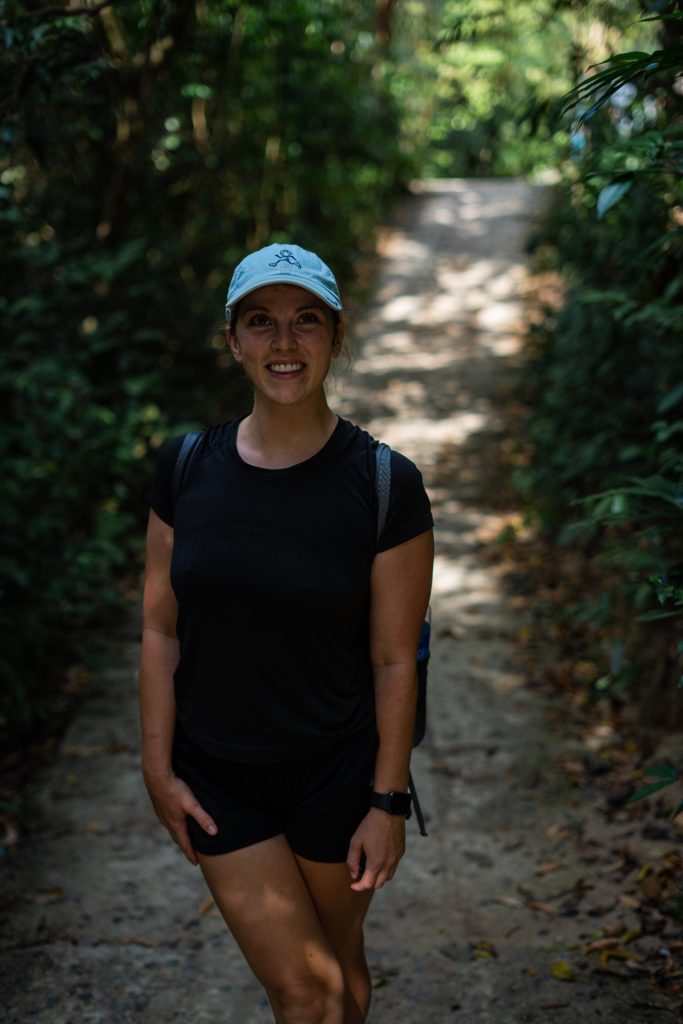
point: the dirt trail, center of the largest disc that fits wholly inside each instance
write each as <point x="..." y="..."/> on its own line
<point x="105" y="922"/>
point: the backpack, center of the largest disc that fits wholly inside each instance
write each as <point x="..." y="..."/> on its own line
<point x="383" y="489"/>
<point x="183" y="462"/>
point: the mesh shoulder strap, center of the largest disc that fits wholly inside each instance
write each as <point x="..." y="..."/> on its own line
<point x="382" y="484"/>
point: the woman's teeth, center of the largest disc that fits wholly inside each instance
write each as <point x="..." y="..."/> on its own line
<point x="286" y="367"/>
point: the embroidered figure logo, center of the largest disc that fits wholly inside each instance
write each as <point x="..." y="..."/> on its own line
<point x="287" y="256"/>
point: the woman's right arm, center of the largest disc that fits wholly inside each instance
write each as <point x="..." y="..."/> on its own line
<point x="171" y="797"/>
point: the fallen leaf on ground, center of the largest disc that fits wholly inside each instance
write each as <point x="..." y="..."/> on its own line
<point x="595" y="947"/>
<point x="509" y="901"/>
<point x="484" y="950"/>
<point x="619" y="954"/>
<point x="561" y="970"/>
<point x="630" y="902"/>
<point x="547" y="869"/>
<point x="545" y="908"/>
<point x="48" y="896"/>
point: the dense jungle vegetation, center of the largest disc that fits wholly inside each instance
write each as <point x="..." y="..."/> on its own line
<point x="144" y="146"/>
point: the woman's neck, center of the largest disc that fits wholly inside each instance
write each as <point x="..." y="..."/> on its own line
<point x="277" y="437"/>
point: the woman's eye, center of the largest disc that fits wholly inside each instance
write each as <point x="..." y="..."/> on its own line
<point x="309" y="318"/>
<point x="258" y="320"/>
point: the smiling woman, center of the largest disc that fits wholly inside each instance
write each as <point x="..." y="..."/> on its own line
<point x="285" y="334"/>
<point x="277" y="680"/>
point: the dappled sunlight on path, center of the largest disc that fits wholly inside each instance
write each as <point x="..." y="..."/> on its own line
<point x="445" y="323"/>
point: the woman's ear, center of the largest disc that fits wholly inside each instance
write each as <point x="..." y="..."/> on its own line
<point x="233" y="344"/>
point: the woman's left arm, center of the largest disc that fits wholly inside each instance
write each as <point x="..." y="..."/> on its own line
<point x="400" y="585"/>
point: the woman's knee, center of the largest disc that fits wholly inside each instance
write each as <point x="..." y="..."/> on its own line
<point x="317" y="998"/>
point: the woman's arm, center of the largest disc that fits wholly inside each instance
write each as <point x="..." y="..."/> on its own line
<point x="171" y="798"/>
<point x="400" y="586"/>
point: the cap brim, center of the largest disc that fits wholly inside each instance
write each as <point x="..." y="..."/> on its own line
<point x="328" y="297"/>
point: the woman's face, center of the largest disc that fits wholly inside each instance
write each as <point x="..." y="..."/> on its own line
<point x="285" y="338"/>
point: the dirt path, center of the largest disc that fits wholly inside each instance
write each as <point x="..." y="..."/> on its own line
<point x="105" y="923"/>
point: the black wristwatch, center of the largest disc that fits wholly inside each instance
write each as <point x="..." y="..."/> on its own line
<point x="393" y="802"/>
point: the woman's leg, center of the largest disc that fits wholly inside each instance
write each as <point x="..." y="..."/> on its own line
<point x="341" y="912"/>
<point x="269" y="908"/>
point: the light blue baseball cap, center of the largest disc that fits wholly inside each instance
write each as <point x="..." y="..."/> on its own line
<point x="283" y="264"/>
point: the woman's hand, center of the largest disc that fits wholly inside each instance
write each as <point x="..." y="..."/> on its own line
<point x="376" y="847"/>
<point x="173" y="801"/>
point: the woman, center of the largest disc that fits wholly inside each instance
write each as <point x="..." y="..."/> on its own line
<point x="277" y="677"/>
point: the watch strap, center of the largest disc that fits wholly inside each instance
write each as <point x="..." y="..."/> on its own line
<point x="393" y="802"/>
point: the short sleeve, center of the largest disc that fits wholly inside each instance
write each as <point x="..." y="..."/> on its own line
<point x="409" y="511"/>
<point x="160" y="497"/>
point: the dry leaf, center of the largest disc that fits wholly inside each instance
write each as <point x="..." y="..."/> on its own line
<point x="547" y="869"/>
<point x="509" y="901"/>
<point x="49" y="896"/>
<point x="595" y="947"/>
<point x="561" y="970"/>
<point x="630" y="902"/>
<point x="652" y="887"/>
<point x="484" y="950"/>
<point x="616" y="954"/>
<point x="545" y="908"/>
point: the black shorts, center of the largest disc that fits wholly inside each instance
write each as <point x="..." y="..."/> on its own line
<point x="316" y="802"/>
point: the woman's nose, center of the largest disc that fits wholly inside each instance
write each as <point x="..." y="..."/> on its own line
<point x="284" y="336"/>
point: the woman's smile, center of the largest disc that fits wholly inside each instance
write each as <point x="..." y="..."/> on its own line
<point x="289" y="369"/>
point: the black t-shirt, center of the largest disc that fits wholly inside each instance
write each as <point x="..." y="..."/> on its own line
<point x="271" y="569"/>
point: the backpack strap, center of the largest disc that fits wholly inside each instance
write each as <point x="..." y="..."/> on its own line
<point x="383" y="490"/>
<point x="183" y="462"/>
<point x="382" y="484"/>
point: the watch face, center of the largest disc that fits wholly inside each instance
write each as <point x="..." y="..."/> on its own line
<point x="392" y="802"/>
<point x="399" y="803"/>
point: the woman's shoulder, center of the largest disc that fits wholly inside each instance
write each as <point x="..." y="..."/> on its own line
<point x="204" y="439"/>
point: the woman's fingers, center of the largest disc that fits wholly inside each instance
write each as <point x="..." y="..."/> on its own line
<point x="204" y="820"/>
<point x="355" y="860"/>
<point x="377" y="846"/>
<point x="181" y="838"/>
<point x="174" y="802"/>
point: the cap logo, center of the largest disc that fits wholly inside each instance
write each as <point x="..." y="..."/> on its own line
<point x="286" y="256"/>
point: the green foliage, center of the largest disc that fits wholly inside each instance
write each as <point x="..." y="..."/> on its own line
<point x="606" y="368"/>
<point x="480" y="81"/>
<point x="144" y="148"/>
<point x="665" y="776"/>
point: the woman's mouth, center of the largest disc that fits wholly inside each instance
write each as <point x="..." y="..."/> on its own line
<point x="285" y="369"/>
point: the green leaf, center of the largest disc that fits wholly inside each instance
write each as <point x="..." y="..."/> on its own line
<point x="678" y="810"/>
<point x="655" y="614"/>
<point x="670" y="399"/>
<point x="610" y="195"/>
<point x="662" y="771"/>
<point x="653" y="787"/>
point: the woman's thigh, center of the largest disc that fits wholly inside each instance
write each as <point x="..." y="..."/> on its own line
<point x="341" y="911"/>
<point x="269" y="908"/>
